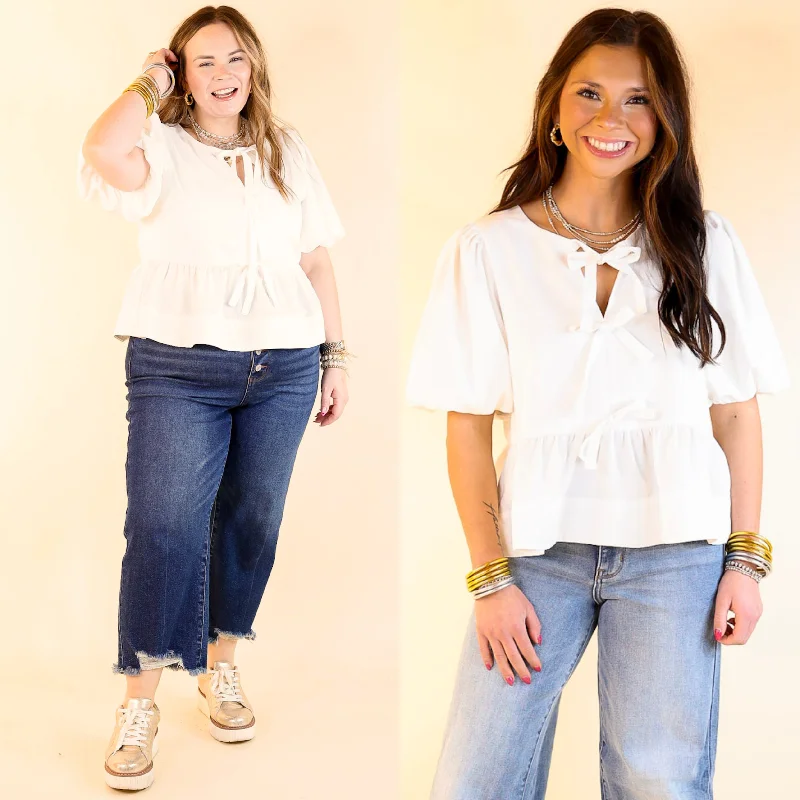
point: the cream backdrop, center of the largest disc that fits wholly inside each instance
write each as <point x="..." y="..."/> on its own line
<point x="470" y="71"/>
<point x="323" y="673"/>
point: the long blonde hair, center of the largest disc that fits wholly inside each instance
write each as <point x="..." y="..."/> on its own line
<point x="265" y="130"/>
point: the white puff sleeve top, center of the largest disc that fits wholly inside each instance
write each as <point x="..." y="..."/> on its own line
<point x="220" y="259"/>
<point x="609" y="438"/>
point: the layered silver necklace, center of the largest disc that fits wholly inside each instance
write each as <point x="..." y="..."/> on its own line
<point x="222" y="142"/>
<point x="597" y="240"/>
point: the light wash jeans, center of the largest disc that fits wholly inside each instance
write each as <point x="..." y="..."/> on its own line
<point x="658" y="677"/>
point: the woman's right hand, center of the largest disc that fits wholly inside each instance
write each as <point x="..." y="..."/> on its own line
<point x="508" y="628"/>
<point x="164" y="56"/>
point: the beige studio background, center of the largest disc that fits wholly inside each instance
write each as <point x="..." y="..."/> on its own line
<point x="323" y="673"/>
<point x="469" y="74"/>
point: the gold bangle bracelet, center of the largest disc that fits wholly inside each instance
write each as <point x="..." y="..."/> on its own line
<point x="750" y="540"/>
<point x="497" y="568"/>
<point x="484" y="572"/>
<point x="147" y="88"/>
<point x="747" y="543"/>
<point x="756" y="542"/>
<point x="489" y="571"/>
<point x="152" y="84"/>
<point x="487" y="565"/>
<point x="144" y="94"/>
<point x="757" y="551"/>
<point x="749" y="535"/>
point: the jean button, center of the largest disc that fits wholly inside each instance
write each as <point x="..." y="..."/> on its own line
<point x="259" y="352"/>
<point x="258" y="368"/>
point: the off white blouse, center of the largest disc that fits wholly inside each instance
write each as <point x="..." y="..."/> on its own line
<point x="609" y="438"/>
<point x="220" y="259"/>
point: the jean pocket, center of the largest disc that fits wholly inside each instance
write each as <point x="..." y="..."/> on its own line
<point x="151" y="359"/>
<point x="296" y="365"/>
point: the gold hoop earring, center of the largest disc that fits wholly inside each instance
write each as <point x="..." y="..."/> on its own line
<point x="188" y="99"/>
<point x="555" y="136"/>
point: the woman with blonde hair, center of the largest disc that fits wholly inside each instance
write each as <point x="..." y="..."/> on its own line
<point x="620" y="332"/>
<point x="228" y="317"/>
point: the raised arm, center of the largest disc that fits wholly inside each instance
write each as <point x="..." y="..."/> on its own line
<point x="110" y="145"/>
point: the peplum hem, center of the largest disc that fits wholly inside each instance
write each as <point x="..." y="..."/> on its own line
<point x="652" y="484"/>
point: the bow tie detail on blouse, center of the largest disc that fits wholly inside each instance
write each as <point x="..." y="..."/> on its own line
<point x="614" y="321"/>
<point x="244" y="290"/>
<point x="589" y="448"/>
<point x="621" y="257"/>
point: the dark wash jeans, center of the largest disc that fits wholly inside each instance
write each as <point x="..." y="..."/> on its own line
<point x="212" y="440"/>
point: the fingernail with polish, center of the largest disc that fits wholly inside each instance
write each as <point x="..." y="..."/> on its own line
<point x="510" y="681"/>
<point x="718" y="634"/>
<point x="526" y="680"/>
<point x="539" y="640"/>
<point x="537" y="669"/>
<point x="488" y="665"/>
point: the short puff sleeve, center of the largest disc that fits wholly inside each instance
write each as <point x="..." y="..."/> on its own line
<point x="139" y="203"/>
<point x="460" y="360"/>
<point x="321" y="226"/>
<point x="751" y="362"/>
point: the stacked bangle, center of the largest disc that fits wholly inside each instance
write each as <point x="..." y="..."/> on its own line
<point x="334" y="355"/>
<point x="492" y="587"/>
<point x="738" y="566"/>
<point x="146" y="87"/>
<point x="749" y="553"/>
<point x="489" y="578"/>
<point x="165" y="67"/>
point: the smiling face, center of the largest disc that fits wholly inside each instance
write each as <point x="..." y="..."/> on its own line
<point x="217" y="72"/>
<point x="605" y="111"/>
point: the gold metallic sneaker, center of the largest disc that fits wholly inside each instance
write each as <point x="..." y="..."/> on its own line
<point x="133" y="745"/>
<point x="222" y="700"/>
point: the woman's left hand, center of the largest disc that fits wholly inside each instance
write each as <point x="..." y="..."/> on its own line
<point x="742" y="596"/>
<point x="334" y="396"/>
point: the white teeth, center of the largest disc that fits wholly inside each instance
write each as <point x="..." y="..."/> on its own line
<point x="223" y="92"/>
<point x="611" y="147"/>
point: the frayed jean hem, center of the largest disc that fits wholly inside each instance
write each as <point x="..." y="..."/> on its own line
<point x="217" y="634"/>
<point x="147" y="662"/>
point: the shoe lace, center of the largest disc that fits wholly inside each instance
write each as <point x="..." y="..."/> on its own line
<point x="135" y="724"/>
<point x="225" y="685"/>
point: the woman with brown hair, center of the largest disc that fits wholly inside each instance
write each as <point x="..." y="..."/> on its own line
<point x="228" y="317"/>
<point x="619" y="330"/>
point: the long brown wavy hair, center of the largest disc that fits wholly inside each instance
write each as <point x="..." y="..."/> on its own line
<point x="265" y="129"/>
<point x="667" y="181"/>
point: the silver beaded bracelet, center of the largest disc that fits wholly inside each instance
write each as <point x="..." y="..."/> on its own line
<point x="494" y="586"/>
<point x="738" y="566"/>
<point x="750" y="559"/>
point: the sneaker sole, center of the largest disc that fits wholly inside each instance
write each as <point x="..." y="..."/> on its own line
<point x="227" y="735"/>
<point x="134" y="783"/>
